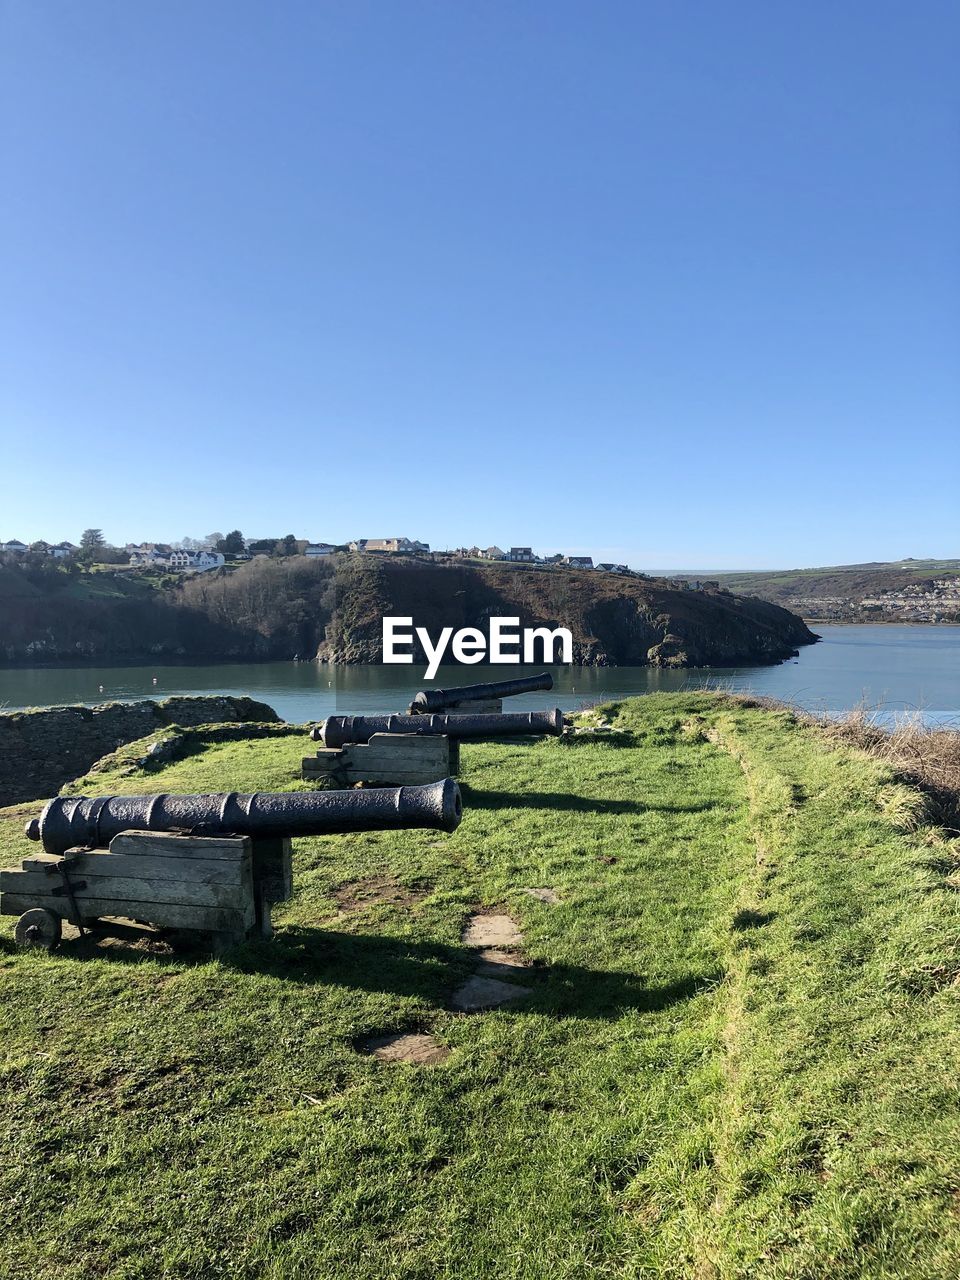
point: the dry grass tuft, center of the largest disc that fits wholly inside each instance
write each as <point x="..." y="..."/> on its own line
<point x="927" y="757"/>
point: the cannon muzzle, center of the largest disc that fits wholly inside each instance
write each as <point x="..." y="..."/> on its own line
<point x="429" y="700"/>
<point x="69" y="821"/>
<point x="337" y="731"/>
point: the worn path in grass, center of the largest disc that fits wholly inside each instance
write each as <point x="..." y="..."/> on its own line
<point x="738" y="1057"/>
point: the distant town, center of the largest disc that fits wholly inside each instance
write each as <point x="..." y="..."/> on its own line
<point x="200" y="555"/>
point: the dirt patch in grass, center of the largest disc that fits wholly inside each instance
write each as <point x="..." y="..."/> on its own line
<point x="418" y="1047"/>
<point x="376" y="890"/>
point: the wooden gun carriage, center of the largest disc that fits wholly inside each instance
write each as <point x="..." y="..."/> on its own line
<point x="213" y="863"/>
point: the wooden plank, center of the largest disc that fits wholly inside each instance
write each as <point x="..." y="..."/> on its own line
<point x="409" y="743"/>
<point x="323" y="762"/>
<point x="398" y="759"/>
<point x="160" y="844"/>
<point x="395" y="777"/>
<point x="165" y="915"/>
<point x="124" y="890"/>
<point x="273" y="868"/>
<point x="99" y="862"/>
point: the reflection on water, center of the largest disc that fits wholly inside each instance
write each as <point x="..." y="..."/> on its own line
<point x="895" y="668"/>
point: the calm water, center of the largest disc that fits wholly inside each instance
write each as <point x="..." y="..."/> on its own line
<point x="892" y="668"/>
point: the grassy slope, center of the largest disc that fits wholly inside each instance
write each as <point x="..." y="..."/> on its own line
<point x="853" y="580"/>
<point x="738" y="1060"/>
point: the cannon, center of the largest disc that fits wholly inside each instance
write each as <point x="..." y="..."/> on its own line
<point x="337" y="731"/>
<point x="428" y="701"/>
<point x="209" y="863"/>
<point x="68" y="822"/>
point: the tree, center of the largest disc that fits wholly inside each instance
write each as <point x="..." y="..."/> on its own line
<point x="232" y="545"/>
<point x="92" y="543"/>
<point x="209" y="543"/>
<point x="286" y="546"/>
<point x="40" y="548"/>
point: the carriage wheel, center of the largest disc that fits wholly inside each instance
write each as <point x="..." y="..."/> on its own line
<point x="38" y="928"/>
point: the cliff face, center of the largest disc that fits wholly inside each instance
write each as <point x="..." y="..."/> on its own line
<point x="332" y="609"/>
<point x="615" y="621"/>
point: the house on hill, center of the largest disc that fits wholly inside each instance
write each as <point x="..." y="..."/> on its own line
<point x="14" y="546"/>
<point x="180" y="561"/>
<point x="61" y="550"/>
<point x="319" y="549"/>
<point x="492" y="553"/>
<point x="606" y="567"/>
<point x="579" y="562"/>
<point x="521" y="555"/>
<point x="187" y="561"/>
<point x="147" y="553"/>
<point x="389" y="546"/>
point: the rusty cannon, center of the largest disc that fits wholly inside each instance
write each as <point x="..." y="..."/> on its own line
<point x="338" y="731"/>
<point x="428" y="701"/>
<point x="69" y="822"/>
<point x="213" y="864"/>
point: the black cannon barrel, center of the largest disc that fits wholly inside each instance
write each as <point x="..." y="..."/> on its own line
<point x="337" y="731"/>
<point x="69" y="821"/>
<point x="428" y="700"/>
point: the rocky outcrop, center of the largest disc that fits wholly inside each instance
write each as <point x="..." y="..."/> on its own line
<point x="615" y="621"/>
<point x="281" y="609"/>
<point x="41" y="750"/>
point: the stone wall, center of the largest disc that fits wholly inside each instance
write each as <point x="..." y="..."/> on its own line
<point x="41" y="750"/>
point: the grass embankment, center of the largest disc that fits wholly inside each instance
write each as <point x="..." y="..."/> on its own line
<point x="738" y="1058"/>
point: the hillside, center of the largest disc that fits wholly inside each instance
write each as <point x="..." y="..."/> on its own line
<point x="333" y="608"/>
<point x="903" y="590"/>
<point x="615" y="621"/>
<point x="734" y="1056"/>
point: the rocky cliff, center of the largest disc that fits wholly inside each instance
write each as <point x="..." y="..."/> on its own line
<point x="280" y="609"/>
<point x="615" y="620"/>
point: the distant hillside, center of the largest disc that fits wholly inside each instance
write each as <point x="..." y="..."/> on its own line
<point x="333" y="607"/>
<point x="900" y="590"/>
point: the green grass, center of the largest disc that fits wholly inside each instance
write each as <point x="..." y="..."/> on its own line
<point x="739" y="1058"/>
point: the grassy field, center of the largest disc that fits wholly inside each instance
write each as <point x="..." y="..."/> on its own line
<point x="739" y="1057"/>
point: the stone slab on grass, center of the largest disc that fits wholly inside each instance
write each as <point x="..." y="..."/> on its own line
<point x="495" y="963"/>
<point x="543" y="895"/>
<point x="486" y="993"/>
<point x="492" y="931"/>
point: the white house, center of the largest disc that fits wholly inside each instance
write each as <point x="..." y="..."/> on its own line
<point x="14" y="545"/>
<point x="606" y="567"/>
<point x="62" y="550"/>
<point x="389" y="545"/>
<point x="182" y="561"/>
<point x="319" y="549"/>
<point x="492" y="553"/>
<point x="579" y="562"/>
<point x="208" y="560"/>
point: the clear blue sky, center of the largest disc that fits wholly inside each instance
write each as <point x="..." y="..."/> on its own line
<point x="668" y="282"/>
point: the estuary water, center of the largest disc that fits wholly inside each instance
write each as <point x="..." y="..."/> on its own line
<point x="894" y="669"/>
